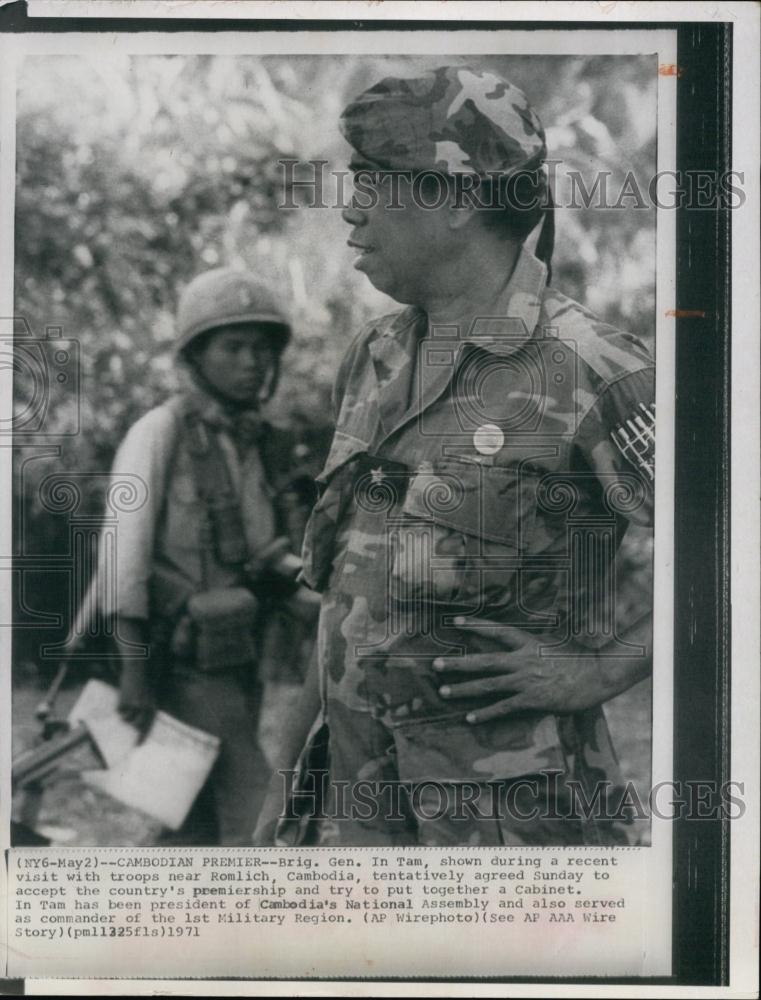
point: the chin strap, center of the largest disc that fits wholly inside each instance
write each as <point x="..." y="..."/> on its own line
<point x="270" y="388"/>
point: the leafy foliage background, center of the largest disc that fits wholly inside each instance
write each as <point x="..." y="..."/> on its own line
<point x="134" y="173"/>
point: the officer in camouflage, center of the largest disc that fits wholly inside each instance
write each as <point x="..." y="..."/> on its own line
<point x="493" y="440"/>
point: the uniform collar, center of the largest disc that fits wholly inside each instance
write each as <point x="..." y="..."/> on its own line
<point x="512" y="318"/>
<point x="511" y="322"/>
<point x="406" y="348"/>
<point x="522" y="297"/>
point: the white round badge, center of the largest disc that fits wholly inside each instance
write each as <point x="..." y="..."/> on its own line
<point x="488" y="439"/>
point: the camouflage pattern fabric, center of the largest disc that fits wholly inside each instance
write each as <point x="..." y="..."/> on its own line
<point x="499" y="493"/>
<point x="454" y="119"/>
<point x="353" y="796"/>
<point x="436" y="813"/>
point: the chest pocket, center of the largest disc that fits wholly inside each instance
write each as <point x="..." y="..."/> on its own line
<point x="461" y="534"/>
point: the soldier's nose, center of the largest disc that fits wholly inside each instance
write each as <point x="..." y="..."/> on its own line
<point x="248" y="358"/>
<point x="352" y="215"/>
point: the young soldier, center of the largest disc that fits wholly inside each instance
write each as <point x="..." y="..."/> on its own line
<point x="493" y="440"/>
<point x="194" y="565"/>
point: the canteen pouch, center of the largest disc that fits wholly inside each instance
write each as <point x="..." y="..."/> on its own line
<point x="224" y="620"/>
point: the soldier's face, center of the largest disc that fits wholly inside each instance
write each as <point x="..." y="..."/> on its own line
<point x="399" y="241"/>
<point x="238" y="361"/>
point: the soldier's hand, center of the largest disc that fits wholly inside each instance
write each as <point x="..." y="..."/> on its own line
<point x="136" y="699"/>
<point x="521" y="677"/>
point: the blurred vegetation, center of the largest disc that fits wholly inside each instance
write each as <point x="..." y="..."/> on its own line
<point x="134" y="173"/>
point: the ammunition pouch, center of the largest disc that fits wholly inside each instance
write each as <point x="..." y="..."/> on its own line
<point x="223" y="624"/>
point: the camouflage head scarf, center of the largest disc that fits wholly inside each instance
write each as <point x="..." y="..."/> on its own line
<point x="454" y="120"/>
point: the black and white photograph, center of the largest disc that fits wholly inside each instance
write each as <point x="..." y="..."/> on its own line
<point x="482" y="541"/>
<point x="359" y="564"/>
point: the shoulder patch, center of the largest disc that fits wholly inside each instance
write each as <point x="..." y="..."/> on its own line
<point x="635" y="439"/>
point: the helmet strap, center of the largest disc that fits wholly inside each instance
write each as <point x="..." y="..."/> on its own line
<point x="270" y="388"/>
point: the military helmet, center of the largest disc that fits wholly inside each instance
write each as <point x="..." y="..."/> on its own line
<point x="225" y="296"/>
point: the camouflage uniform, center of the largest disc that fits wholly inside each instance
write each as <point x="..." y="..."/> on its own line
<point x="481" y="474"/>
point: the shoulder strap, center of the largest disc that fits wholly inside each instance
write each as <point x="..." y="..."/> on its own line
<point x="225" y="535"/>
